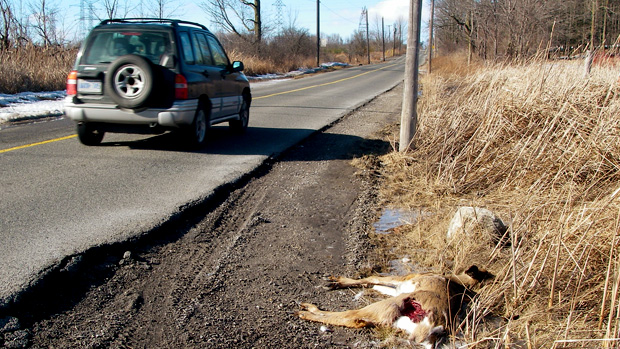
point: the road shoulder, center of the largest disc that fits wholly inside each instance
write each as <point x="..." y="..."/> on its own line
<point x="237" y="275"/>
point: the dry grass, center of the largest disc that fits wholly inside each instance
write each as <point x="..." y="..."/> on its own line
<point x="35" y="68"/>
<point x="539" y="145"/>
<point x="258" y="65"/>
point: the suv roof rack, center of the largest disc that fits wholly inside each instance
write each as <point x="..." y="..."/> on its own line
<point x="173" y="22"/>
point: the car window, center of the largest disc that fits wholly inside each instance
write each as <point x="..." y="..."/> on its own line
<point x="106" y="46"/>
<point x="219" y="56"/>
<point x="197" y="53"/>
<point x="203" y="46"/>
<point x="186" y="44"/>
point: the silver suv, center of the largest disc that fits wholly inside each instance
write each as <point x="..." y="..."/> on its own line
<point x="148" y="76"/>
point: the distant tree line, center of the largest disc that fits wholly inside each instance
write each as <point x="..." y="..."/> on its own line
<point x="243" y="27"/>
<point x="519" y="28"/>
<point x="47" y="23"/>
<point x="240" y="24"/>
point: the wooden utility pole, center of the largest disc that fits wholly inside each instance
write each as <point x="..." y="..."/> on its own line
<point x="394" y="46"/>
<point x="430" y="37"/>
<point x="409" y="116"/>
<point x="383" y="37"/>
<point x="367" y="36"/>
<point x="318" y="35"/>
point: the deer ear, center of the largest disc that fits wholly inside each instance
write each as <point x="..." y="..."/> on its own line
<point x="472" y="270"/>
<point x="478" y="274"/>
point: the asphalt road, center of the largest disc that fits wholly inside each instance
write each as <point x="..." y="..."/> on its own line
<point x="60" y="198"/>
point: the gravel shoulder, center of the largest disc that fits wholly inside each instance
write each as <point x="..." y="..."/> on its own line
<point x="233" y="274"/>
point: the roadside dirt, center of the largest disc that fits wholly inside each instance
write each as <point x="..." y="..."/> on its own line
<point x="234" y="274"/>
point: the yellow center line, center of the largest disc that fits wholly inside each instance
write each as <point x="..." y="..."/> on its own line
<point x="261" y="97"/>
<point x="35" y="144"/>
<point x="325" y="84"/>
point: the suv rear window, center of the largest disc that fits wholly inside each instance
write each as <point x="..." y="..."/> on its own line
<point x="106" y="46"/>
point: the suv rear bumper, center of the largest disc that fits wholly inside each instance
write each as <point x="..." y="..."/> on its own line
<point x="180" y="114"/>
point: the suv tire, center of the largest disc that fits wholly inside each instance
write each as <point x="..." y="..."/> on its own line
<point x="241" y="125"/>
<point x="197" y="133"/>
<point x="89" y="135"/>
<point x="130" y="81"/>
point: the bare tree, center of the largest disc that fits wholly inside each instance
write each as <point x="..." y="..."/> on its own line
<point x="110" y="8"/>
<point x="240" y="17"/>
<point x="6" y="21"/>
<point x="512" y="28"/>
<point x="163" y="8"/>
<point x="291" y="46"/>
<point x="44" y="14"/>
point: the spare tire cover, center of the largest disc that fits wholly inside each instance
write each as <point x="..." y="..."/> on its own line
<point x="129" y="81"/>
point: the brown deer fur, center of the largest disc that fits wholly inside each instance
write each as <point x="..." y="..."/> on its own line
<point x="424" y="305"/>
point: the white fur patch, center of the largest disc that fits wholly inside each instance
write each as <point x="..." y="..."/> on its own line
<point x="403" y="287"/>
<point x="386" y="290"/>
<point x="404" y="323"/>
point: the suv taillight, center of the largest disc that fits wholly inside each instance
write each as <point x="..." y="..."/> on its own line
<point x="180" y="87"/>
<point x="72" y="83"/>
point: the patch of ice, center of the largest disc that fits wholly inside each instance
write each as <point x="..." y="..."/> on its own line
<point x="30" y="105"/>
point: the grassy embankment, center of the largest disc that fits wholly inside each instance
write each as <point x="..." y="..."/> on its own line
<point x="35" y="69"/>
<point x="538" y="144"/>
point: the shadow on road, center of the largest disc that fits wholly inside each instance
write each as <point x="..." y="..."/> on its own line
<point x="263" y="141"/>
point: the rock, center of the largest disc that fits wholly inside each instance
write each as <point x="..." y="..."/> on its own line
<point x="469" y="221"/>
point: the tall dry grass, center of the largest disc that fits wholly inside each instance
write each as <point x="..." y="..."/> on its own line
<point x="34" y="68"/>
<point x="259" y="65"/>
<point x="539" y="144"/>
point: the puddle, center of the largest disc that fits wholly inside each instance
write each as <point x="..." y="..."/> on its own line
<point x="394" y="218"/>
<point x="402" y="266"/>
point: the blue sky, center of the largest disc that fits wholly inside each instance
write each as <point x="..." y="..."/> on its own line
<point x="337" y="16"/>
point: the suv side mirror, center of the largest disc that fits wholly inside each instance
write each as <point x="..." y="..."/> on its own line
<point x="237" y="66"/>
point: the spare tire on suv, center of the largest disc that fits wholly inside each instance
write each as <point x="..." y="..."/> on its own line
<point x="130" y="80"/>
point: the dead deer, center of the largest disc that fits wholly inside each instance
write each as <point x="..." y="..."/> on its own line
<point x="423" y="305"/>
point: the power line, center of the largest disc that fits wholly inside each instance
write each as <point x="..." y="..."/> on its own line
<point x="338" y="14"/>
<point x="279" y="16"/>
<point x="87" y="11"/>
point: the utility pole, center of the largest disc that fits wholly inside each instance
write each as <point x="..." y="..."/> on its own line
<point x="409" y="116"/>
<point x="383" y="37"/>
<point x="318" y="34"/>
<point x="367" y="36"/>
<point x="388" y="34"/>
<point x="430" y="36"/>
<point x="394" y="43"/>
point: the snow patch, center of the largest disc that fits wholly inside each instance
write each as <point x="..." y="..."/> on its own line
<point x="31" y="105"/>
<point x="298" y="72"/>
